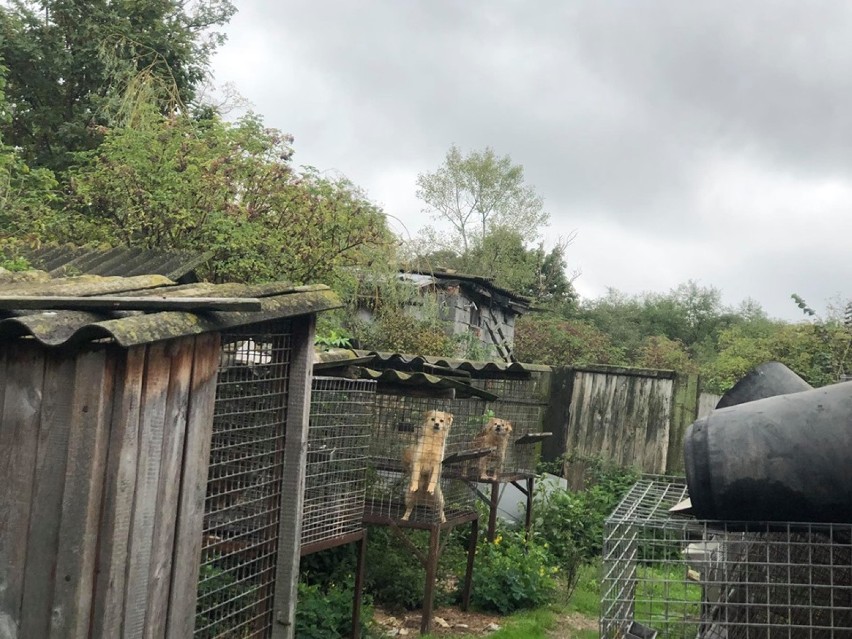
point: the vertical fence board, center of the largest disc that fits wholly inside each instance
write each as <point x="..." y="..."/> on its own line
<point x="177" y="405"/>
<point x="118" y="499"/>
<point x="21" y="379"/>
<point x="193" y="486"/>
<point x="295" y="457"/>
<point x="81" y="501"/>
<point x="154" y="393"/>
<point x="48" y="488"/>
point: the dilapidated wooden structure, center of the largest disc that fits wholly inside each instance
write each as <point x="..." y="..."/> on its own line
<point x="132" y="467"/>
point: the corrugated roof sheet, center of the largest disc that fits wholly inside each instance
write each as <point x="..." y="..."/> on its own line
<point x="61" y="261"/>
<point x="422" y="277"/>
<point x="54" y="328"/>
<point x="418" y="363"/>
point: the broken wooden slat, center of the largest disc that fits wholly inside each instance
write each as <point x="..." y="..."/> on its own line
<point x="177" y="406"/>
<point x="152" y="421"/>
<point x="49" y="485"/>
<point x="88" y="431"/>
<point x="120" y="303"/>
<point x="20" y="412"/>
<point x="118" y="499"/>
<point x="193" y="488"/>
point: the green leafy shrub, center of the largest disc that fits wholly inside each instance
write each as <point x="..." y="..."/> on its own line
<point x="395" y="576"/>
<point x="513" y="573"/>
<point x="326" y="613"/>
<point x="572" y="522"/>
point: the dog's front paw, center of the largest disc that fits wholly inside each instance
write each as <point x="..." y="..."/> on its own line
<point x="414" y="487"/>
<point x="431" y="490"/>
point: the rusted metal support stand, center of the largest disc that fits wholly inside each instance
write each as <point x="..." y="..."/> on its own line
<point x="493" y="499"/>
<point x="429" y="559"/>
<point x="359" y="537"/>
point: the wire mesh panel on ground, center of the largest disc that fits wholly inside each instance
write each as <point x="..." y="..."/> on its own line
<point x="242" y="508"/>
<point x="408" y="439"/>
<point x="336" y="474"/>
<point x="666" y="576"/>
<point x="519" y="404"/>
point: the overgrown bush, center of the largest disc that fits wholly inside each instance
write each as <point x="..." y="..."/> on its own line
<point x="513" y="573"/>
<point x="395" y="576"/>
<point x="572" y="522"/>
<point x="326" y="613"/>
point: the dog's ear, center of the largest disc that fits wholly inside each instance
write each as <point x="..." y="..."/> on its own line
<point x="449" y="419"/>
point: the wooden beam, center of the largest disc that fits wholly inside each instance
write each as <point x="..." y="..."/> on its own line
<point x="119" y="303"/>
<point x="293" y="487"/>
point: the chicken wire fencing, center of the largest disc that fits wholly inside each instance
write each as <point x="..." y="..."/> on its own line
<point x="243" y="502"/>
<point x="408" y="440"/>
<point x="520" y="406"/>
<point x="336" y="473"/>
<point x="666" y="576"/>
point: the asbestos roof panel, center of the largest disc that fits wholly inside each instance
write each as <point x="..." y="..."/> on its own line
<point x="423" y="380"/>
<point x="476" y="280"/>
<point x="120" y="261"/>
<point x="55" y="328"/>
<point x="474" y="368"/>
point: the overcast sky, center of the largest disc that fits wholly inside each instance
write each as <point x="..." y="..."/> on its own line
<point x="681" y="140"/>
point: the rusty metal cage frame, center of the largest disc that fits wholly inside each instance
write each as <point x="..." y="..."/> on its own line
<point x="336" y="471"/>
<point x="396" y="428"/>
<point x="244" y="488"/>
<point x="519" y="404"/>
<point x="667" y="577"/>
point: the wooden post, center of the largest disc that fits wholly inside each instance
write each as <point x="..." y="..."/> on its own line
<point x="684" y="412"/>
<point x="431" y="575"/>
<point x="359" y="586"/>
<point x="528" y="518"/>
<point x="560" y="387"/>
<point x="193" y="488"/>
<point x="293" y="485"/>
<point x="493" y="505"/>
<point x="471" y="554"/>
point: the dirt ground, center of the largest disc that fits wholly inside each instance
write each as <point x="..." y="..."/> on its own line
<point x="452" y="622"/>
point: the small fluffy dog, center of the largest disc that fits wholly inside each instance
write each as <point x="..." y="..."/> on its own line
<point x="424" y="460"/>
<point x="495" y="434"/>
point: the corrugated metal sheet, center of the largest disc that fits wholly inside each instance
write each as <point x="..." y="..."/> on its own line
<point x="61" y="261"/>
<point x="422" y="278"/>
<point x="470" y="367"/>
<point x="54" y="328"/>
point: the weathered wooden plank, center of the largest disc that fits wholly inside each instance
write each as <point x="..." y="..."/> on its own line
<point x="151" y="425"/>
<point x="177" y="405"/>
<point x="88" y="430"/>
<point x="21" y="378"/>
<point x="193" y="488"/>
<point x="48" y="488"/>
<point x="122" y="456"/>
<point x="121" y="303"/>
<point x="295" y="457"/>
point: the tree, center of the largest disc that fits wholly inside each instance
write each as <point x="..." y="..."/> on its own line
<point x="175" y="182"/>
<point x="478" y="192"/>
<point x="26" y="195"/>
<point x="69" y="58"/>
<point x="559" y="342"/>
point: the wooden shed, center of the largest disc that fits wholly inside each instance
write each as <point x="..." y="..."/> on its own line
<point x="108" y="388"/>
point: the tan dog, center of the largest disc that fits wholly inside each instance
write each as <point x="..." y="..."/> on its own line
<point x="424" y="460"/>
<point x="495" y="434"/>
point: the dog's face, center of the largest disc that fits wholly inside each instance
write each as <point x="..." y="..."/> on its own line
<point x="437" y="421"/>
<point x="498" y="427"/>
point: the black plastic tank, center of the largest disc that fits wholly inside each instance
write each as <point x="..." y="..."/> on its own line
<point x="767" y="380"/>
<point x="782" y="458"/>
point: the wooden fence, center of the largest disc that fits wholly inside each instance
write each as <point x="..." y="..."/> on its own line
<point x="631" y="416"/>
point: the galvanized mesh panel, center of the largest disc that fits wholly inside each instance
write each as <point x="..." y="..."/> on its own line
<point x="338" y="438"/>
<point x="519" y="403"/>
<point x="684" y="578"/>
<point x="240" y="539"/>
<point x="397" y="429"/>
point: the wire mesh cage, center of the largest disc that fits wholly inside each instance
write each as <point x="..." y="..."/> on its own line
<point x="336" y="473"/>
<point x="520" y="407"/>
<point x="412" y="436"/>
<point x="666" y="576"/>
<point x="242" y="506"/>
